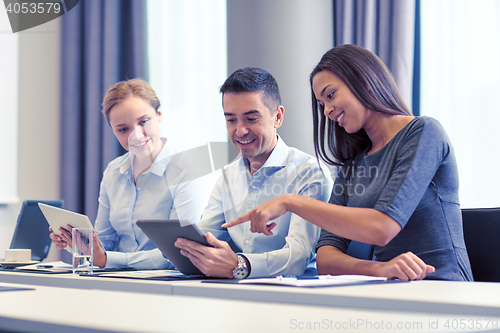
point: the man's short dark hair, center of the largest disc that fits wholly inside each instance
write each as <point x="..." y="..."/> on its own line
<point x="253" y="79"/>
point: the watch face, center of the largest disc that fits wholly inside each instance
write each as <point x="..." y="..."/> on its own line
<point x="241" y="271"/>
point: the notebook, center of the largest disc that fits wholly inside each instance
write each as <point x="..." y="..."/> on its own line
<point x="32" y="230"/>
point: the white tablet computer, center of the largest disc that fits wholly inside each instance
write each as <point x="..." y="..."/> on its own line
<point x="60" y="218"/>
<point x="164" y="233"/>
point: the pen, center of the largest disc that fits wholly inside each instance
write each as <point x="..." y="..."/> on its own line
<point x="306" y="277"/>
<point x="43" y="266"/>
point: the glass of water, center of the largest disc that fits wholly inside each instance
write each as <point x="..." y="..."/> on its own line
<point x="83" y="250"/>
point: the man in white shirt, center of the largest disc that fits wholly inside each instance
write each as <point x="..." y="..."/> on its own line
<point x="265" y="168"/>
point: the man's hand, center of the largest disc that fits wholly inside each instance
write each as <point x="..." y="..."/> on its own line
<point x="218" y="261"/>
<point x="406" y="267"/>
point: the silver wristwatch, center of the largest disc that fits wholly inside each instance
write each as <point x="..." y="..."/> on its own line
<point x="241" y="271"/>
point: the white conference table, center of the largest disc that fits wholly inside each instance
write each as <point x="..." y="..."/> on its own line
<point x="444" y="297"/>
<point x="55" y="309"/>
<point x="69" y="281"/>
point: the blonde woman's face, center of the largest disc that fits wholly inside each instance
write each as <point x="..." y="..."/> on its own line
<point x="135" y="124"/>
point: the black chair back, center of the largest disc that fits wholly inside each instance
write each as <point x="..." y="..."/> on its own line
<point x="482" y="238"/>
<point x="360" y="250"/>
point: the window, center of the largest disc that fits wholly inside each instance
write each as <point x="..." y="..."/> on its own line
<point x="187" y="48"/>
<point x="460" y="86"/>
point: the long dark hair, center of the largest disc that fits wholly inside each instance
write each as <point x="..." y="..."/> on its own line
<point x="372" y="84"/>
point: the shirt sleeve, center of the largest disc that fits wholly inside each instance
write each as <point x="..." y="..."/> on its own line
<point x="151" y="259"/>
<point x="419" y="157"/>
<point x="293" y="258"/>
<point x="302" y="236"/>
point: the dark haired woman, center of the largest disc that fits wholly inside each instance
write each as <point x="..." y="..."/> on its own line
<point x="397" y="181"/>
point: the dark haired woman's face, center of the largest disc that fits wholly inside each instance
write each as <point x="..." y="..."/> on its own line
<point x="340" y="104"/>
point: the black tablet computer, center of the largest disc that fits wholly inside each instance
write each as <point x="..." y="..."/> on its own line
<point x="164" y="233"/>
<point x="32" y="231"/>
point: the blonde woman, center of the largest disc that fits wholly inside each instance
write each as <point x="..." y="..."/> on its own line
<point x="150" y="181"/>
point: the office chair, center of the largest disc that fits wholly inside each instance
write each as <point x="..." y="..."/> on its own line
<point x="482" y="238"/>
<point x="360" y="250"/>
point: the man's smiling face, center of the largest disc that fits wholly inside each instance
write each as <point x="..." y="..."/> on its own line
<point x="251" y="125"/>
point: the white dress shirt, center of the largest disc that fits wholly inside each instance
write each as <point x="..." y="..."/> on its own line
<point x="291" y="247"/>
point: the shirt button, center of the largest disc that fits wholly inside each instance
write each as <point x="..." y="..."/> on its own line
<point x="247" y="241"/>
<point x="138" y="189"/>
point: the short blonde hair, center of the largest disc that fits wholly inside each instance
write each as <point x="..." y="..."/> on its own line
<point x="124" y="89"/>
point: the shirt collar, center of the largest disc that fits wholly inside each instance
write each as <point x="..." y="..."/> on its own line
<point x="278" y="156"/>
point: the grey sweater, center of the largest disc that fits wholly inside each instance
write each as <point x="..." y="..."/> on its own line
<point x="414" y="180"/>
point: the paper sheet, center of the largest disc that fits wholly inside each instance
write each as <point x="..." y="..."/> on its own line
<point x="55" y="266"/>
<point x="315" y="281"/>
<point x="144" y="274"/>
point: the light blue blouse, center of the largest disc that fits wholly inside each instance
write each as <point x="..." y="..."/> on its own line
<point x="162" y="192"/>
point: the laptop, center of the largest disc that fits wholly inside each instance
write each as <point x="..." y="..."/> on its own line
<point x="32" y="229"/>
